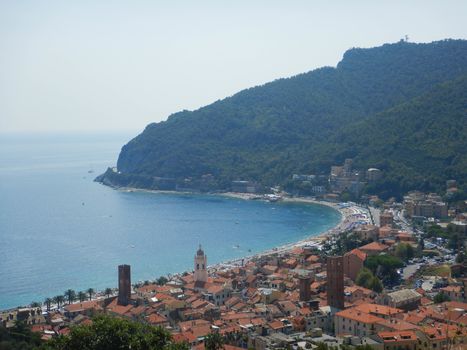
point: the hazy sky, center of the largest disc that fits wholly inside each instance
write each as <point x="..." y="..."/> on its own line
<point x="119" y="65"/>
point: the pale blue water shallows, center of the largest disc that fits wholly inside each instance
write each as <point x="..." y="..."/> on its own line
<point x="59" y="229"/>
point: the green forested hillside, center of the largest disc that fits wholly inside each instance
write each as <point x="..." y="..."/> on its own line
<point x="400" y="107"/>
<point x="418" y="144"/>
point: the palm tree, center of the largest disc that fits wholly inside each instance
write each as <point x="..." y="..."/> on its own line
<point x="82" y="296"/>
<point x="214" y="341"/>
<point x="90" y="292"/>
<point x="59" y="299"/>
<point x="36" y="304"/>
<point x="47" y="302"/>
<point x="70" y="294"/>
<point x="108" y="292"/>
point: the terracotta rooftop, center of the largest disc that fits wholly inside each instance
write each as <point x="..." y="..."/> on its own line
<point x="357" y="252"/>
<point x="378" y="309"/>
<point x="389" y="337"/>
<point x="375" y="246"/>
<point x="85" y="305"/>
<point x="359" y="316"/>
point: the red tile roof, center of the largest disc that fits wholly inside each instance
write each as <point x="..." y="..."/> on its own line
<point x="375" y="246"/>
<point x="359" y="316"/>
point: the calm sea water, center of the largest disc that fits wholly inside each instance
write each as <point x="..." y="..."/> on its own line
<point x="60" y="230"/>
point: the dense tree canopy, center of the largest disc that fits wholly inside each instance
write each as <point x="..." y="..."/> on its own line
<point x="384" y="266"/>
<point x="19" y="337"/>
<point x="110" y="333"/>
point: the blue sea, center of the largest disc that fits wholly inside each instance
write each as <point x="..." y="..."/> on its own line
<point x="59" y="229"/>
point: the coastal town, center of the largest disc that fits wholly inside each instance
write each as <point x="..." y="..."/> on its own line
<point x="391" y="275"/>
<point x="242" y="175"/>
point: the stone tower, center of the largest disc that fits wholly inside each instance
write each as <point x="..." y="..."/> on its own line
<point x="335" y="281"/>
<point x="124" y="284"/>
<point x="304" y="283"/>
<point x="201" y="262"/>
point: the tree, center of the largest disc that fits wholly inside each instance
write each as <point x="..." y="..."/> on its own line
<point x="460" y="258"/>
<point x="19" y="337"/>
<point x="456" y="240"/>
<point x="214" y="341"/>
<point x="385" y="267"/>
<point x="108" y="292"/>
<point x="70" y="294"/>
<point x="47" y="302"/>
<point x="376" y="285"/>
<point x="108" y="332"/>
<point x="59" y="299"/>
<point x="82" y="296"/>
<point x="90" y="292"/>
<point x="421" y="243"/>
<point x="420" y="246"/>
<point x="36" y="304"/>
<point x="404" y="251"/>
<point x="441" y="298"/>
<point x="162" y="280"/>
<point x="364" y="277"/>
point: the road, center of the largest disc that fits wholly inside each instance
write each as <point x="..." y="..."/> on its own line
<point x="410" y="270"/>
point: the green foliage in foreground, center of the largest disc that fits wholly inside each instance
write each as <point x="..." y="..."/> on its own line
<point x="110" y="333"/>
<point x="19" y="337"/>
<point x="214" y="341"/>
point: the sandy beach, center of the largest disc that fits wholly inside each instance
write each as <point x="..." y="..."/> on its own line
<point x="351" y="215"/>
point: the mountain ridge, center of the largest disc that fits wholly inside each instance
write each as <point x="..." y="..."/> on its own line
<point x="264" y="133"/>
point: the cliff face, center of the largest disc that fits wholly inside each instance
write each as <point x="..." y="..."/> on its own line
<point x="308" y="122"/>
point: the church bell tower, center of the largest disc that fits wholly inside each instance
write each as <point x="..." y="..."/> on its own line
<point x="201" y="262"/>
